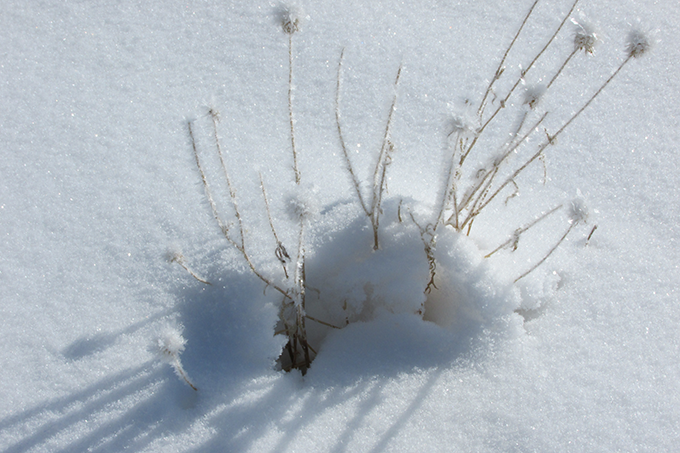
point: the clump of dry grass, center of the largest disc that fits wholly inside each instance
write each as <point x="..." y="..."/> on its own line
<point x="467" y="191"/>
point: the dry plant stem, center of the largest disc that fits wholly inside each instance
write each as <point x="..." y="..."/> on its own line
<point x="186" y="268"/>
<point x="500" y="69"/>
<point x="559" y="71"/>
<point x="208" y="193"/>
<point x="429" y="244"/>
<point x="240" y="246"/>
<point x="345" y="153"/>
<point x="281" y="253"/>
<point x="449" y="194"/>
<point x="564" y="236"/>
<point x="487" y="179"/>
<point x="523" y="229"/>
<point x="290" y="107"/>
<point x="590" y="235"/>
<point x="375" y="214"/>
<point x="178" y="368"/>
<point x="550" y="140"/>
<point x="300" y="334"/>
<point x="230" y="186"/>
<point x="519" y="80"/>
<point x="492" y="174"/>
<point x="323" y="323"/>
<point x="384" y="159"/>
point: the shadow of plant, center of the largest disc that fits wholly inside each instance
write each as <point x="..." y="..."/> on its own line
<point x="242" y="403"/>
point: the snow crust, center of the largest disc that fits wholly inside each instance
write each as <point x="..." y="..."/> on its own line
<point x="99" y="186"/>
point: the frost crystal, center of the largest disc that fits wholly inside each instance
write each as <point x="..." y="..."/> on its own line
<point x="584" y="38"/>
<point x="638" y="44"/>
<point x="578" y="211"/>
<point x="463" y="126"/>
<point x="171" y="345"/>
<point x="302" y="205"/>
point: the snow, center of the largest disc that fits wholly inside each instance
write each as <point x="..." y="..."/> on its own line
<point x="101" y="204"/>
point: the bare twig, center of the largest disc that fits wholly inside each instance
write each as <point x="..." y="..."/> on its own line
<point x="290" y="107"/>
<point x="345" y="153"/>
<point x="281" y="253"/>
<point x="500" y="69"/>
<point x="179" y="259"/>
<point x="384" y="159"/>
<point x="564" y="236"/>
<point x="515" y="237"/>
<point x="523" y="74"/>
<point x="549" y="141"/>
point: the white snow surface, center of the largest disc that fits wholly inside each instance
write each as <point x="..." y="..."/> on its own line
<point x="99" y="187"/>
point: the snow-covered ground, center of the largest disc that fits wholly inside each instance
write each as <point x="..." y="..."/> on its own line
<point x="99" y="184"/>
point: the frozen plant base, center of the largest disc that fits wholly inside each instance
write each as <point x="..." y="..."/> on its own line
<point x="349" y="282"/>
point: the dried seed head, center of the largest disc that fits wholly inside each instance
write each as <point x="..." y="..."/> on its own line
<point x="578" y="211"/>
<point x="291" y="18"/>
<point x="461" y="123"/>
<point x="584" y="38"/>
<point x="638" y="43"/>
<point x="301" y="204"/>
<point x="171" y="344"/>
<point x="533" y="94"/>
<point x="174" y="255"/>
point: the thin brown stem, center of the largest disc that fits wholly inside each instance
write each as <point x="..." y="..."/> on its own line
<point x="564" y="236"/>
<point x="551" y="138"/>
<point x="281" y="253"/>
<point x="559" y="71"/>
<point x="499" y="70"/>
<point x="290" y="108"/>
<point x="384" y="159"/>
<point x="523" y="74"/>
<point x="345" y="153"/>
<point x="515" y="237"/>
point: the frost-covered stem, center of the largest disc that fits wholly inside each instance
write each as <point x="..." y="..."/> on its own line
<point x="177" y="365"/>
<point x="520" y="124"/>
<point x="381" y="167"/>
<point x="299" y="276"/>
<point x="564" y="236"/>
<point x="585" y="106"/>
<point x="290" y="107"/>
<point x="240" y="246"/>
<point x="550" y="139"/>
<point x="523" y="229"/>
<point x="179" y="259"/>
<point x="348" y="163"/>
<point x="170" y="349"/>
<point x="206" y="187"/>
<point x="500" y="69"/>
<point x="492" y="174"/>
<point x="281" y="253"/>
<point x="523" y="74"/>
<point x="564" y="65"/>
<point x="300" y="279"/>
<point x="449" y="192"/>
<point x="429" y="238"/>
<point x="375" y="213"/>
<point x="552" y="38"/>
<point x="230" y="186"/>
